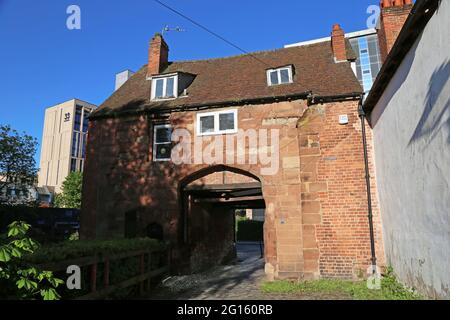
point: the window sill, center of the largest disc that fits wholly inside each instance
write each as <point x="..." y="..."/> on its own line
<point x="222" y="133"/>
<point x="161" y="160"/>
<point x="280" y="84"/>
<point x="164" y="99"/>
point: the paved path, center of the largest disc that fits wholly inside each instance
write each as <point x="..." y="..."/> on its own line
<point x="240" y="281"/>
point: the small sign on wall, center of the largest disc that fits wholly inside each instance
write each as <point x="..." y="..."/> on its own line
<point x="343" y="119"/>
<point x="67" y="117"/>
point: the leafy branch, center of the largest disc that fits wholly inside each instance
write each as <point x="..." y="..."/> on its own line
<point x="24" y="282"/>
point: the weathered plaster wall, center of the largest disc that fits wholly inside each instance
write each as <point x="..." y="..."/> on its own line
<point x="412" y="148"/>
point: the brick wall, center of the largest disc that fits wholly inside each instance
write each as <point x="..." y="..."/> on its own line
<point x="316" y="209"/>
<point x="392" y="20"/>
<point x="334" y="198"/>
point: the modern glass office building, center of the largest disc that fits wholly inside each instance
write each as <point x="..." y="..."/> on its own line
<point x="63" y="142"/>
<point x="368" y="64"/>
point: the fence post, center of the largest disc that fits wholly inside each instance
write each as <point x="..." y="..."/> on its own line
<point x="149" y="268"/>
<point x="142" y="271"/>
<point x="106" y="274"/>
<point x="94" y="277"/>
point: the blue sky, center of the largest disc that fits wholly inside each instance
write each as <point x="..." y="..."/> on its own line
<point x="42" y="63"/>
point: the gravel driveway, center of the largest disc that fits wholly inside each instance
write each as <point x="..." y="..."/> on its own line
<point x="240" y="281"/>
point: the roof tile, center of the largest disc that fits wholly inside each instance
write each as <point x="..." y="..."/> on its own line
<point x="239" y="78"/>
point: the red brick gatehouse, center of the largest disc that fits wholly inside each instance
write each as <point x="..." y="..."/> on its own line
<point x="302" y="100"/>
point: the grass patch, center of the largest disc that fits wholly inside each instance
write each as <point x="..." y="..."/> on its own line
<point x="391" y="289"/>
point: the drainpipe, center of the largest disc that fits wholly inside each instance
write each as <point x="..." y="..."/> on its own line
<point x="362" y="116"/>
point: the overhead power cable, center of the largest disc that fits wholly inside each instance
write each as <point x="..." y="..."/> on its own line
<point x="210" y="31"/>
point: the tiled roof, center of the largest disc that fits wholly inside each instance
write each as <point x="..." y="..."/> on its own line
<point x="241" y="78"/>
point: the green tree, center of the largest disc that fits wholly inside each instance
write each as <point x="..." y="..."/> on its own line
<point x="17" y="164"/>
<point x="16" y="279"/>
<point x="71" y="192"/>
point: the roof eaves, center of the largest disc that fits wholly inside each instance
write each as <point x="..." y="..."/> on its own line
<point x="148" y="108"/>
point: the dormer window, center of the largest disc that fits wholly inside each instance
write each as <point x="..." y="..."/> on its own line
<point x="279" y="76"/>
<point x="165" y="87"/>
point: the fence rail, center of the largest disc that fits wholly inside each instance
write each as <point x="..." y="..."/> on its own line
<point x="146" y="274"/>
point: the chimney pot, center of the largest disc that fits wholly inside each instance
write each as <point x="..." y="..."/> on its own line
<point x="385" y="3"/>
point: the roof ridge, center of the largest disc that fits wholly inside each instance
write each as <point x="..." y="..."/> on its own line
<point x="250" y="53"/>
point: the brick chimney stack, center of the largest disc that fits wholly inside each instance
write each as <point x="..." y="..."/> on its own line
<point x="393" y="16"/>
<point x="338" y="43"/>
<point x="158" y="55"/>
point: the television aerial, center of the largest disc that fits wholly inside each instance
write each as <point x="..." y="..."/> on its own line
<point x="169" y="29"/>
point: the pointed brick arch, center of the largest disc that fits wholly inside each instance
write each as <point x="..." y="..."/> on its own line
<point x="214" y="169"/>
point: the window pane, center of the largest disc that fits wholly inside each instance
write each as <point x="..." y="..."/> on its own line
<point x="83" y="146"/>
<point x="159" y="88"/>
<point x="207" y="124"/>
<point x="73" y="165"/>
<point x="284" y="75"/>
<point x="226" y="121"/>
<point x="274" y="77"/>
<point x="170" y="87"/>
<point x="75" y="144"/>
<point x="163" y="135"/>
<point x="78" y="118"/>
<point x="163" y="151"/>
<point x="86" y="121"/>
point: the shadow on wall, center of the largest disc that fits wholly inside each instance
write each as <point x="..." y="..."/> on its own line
<point x="400" y="78"/>
<point x="123" y="186"/>
<point x="436" y="116"/>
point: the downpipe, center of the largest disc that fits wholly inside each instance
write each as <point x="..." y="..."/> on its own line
<point x="362" y="116"/>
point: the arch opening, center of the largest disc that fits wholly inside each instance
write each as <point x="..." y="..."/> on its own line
<point x="210" y="201"/>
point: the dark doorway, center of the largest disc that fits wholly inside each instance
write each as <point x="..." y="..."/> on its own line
<point x="155" y="231"/>
<point x="210" y="220"/>
<point x="131" y="224"/>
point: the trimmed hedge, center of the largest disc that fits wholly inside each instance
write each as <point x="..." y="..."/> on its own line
<point x="85" y="248"/>
<point x="250" y="230"/>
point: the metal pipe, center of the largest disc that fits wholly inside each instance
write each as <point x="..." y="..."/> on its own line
<point x="362" y="116"/>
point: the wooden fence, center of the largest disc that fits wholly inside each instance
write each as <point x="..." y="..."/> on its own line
<point x="146" y="274"/>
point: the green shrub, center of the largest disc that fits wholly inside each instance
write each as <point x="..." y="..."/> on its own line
<point x="250" y="230"/>
<point x="17" y="279"/>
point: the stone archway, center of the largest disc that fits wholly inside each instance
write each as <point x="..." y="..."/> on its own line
<point x="209" y="198"/>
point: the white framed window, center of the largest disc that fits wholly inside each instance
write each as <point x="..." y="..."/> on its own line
<point x="162" y="142"/>
<point x="279" y="76"/>
<point x="165" y="87"/>
<point x="219" y="122"/>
